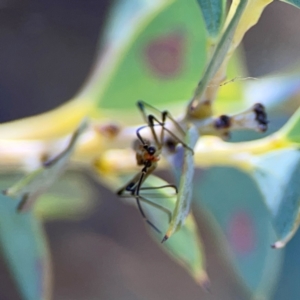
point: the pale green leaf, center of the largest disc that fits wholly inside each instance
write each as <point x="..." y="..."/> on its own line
<point x="24" y="247"/>
<point x="293" y="2"/>
<point x="213" y="12"/>
<point x="277" y="175"/>
<point x="32" y="185"/>
<point x="154" y="51"/>
<point x="221" y="50"/>
<point x="291" y="130"/>
<point x="185" y="245"/>
<point x="231" y="94"/>
<point x="237" y="207"/>
<point x="72" y="197"/>
<point x="185" y="193"/>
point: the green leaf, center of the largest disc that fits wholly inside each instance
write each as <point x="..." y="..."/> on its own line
<point x="213" y="12"/>
<point x="24" y="246"/>
<point x="293" y="2"/>
<point x="231" y="96"/>
<point x="290" y="273"/>
<point x="31" y="186"/>
<point x="69" y="198"/>
<point x="277" y="175"/>
<point x="221" y="50"/>
<point x="237" y="206"/>
<point x="291" y="130"/>
<point x="155" y="51"/>
<point x="185" y="245"/>
<point x="184" y="197"/>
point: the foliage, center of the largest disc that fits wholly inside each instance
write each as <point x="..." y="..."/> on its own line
<point x="171" y="54"/>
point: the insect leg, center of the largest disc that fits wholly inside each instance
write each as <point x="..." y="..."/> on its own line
<point x="153" y="118"/>
<point x="158" y="206"/>
<point x="139" y="135"/>
<point x="134" y="186"/>
<point x="141" y="105"/>
<point x="136" y="193"/>
<point x="161" y="187"/>
<point x="130" y="186"/>
<point x="164" y="115"/>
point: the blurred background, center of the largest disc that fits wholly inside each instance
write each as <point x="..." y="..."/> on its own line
<point x="47" y="49"/>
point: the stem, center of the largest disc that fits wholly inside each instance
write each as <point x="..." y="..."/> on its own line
<point x="218" y="57"/>
<point x="210" y="151"/>
<point x="245" y="15"/>
<point x="112" y="155"/>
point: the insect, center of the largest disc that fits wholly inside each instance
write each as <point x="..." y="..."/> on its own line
<point x="148" y="154"/>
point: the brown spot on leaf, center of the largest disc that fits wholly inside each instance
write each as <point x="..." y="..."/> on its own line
<point x="164" y="54"/>
<point x="241" y="231"/>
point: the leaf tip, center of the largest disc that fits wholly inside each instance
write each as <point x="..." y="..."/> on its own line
<point x="168" y="234"/>
<point x="203" y="280"/>
<point x="8" y="192"/>
<point x="278" y="245"/>
<point x="164" y="238"/>
<point x="24" y="204"/>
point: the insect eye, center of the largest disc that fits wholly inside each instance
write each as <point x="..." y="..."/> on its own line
<point x="151" y="150"/>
